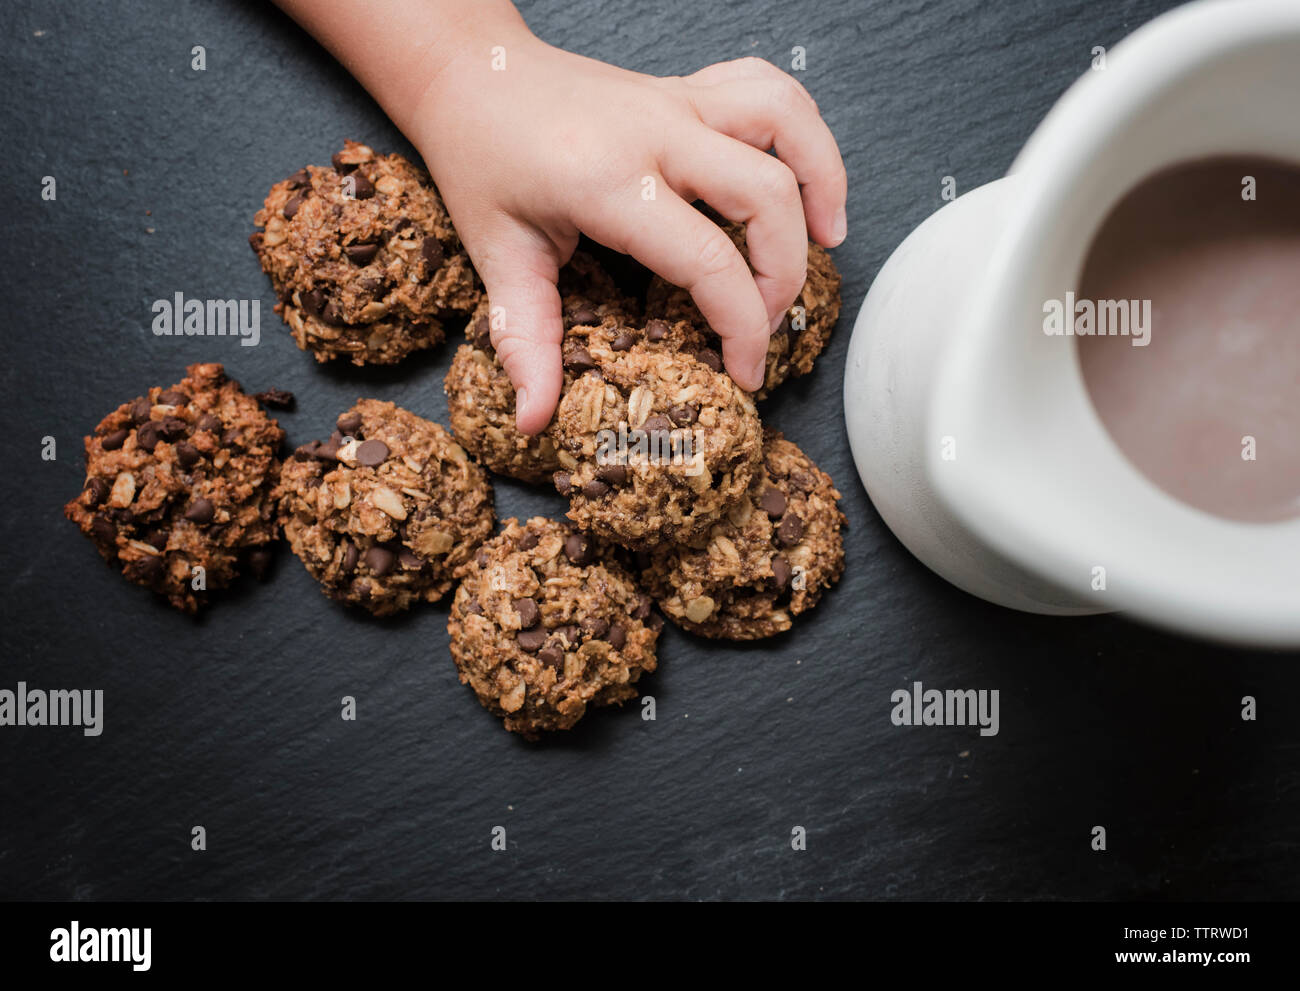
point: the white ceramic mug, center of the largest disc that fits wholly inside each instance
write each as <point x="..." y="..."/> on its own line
<point x="972" y="429"/>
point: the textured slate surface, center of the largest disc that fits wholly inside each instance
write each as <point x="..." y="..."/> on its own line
<point x="232" y="722"/>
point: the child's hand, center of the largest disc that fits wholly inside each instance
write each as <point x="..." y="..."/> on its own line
<point x="547" y="144"/>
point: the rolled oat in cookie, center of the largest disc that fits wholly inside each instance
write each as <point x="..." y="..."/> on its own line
<point x="545" y="623"/>
<point x="481" y="398"/>
<point x="795" y="344"/>
<point x="769" y="560"/>
<point x="386" y="512"/>
<point x="654" y="444"/>
<point x="363" y="258"/>
<point x="178" y="490"/>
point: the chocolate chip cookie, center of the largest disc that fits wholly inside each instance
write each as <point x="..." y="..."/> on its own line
<point x="654" y="444"/>
<point x="363" y="258"/>
<point x="545" y="623"/>
<point x="768" y="560"/>
<point x="802" y="335"/>
<point x="386" y="512"/>
<point x="481" y="398"/>
<point x="178" y="487"/>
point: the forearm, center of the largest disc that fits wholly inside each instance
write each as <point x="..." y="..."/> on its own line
<point x="398" y="49"/>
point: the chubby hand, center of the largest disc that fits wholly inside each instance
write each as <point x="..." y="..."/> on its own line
<point x="531" y="146"/>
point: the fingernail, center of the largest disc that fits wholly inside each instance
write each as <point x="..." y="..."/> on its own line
<point x="839" y="227"/>
<point x="759" y="373"/>
<point x="521" y="403"/>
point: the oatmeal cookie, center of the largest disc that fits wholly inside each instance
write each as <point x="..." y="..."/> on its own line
<point x="654" y="444"/>
<point x="363" y="258"/>
<point x="385" y="512"/>
<point x="545" y="623"/>
<point x="768" y="560"/>
<point x="800" y="338"/>
<point x="481" y="398"/>
<point x="180" y="479"/>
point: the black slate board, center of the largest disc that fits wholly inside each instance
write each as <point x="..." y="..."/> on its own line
<point x="232" y="722"/>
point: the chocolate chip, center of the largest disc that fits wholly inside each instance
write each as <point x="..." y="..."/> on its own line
<point x="300" y="178"/>
<point x="350" y="557"/>
<point x="275" y="398"/>
<point x="111" y="442"/>
<point x="361" y="254"/>
<point x="613" y="474"/>
<point x="140" y="411"/>
<point x="372" y="453"/>
<point x="802" y="480"/>
<point x="656" y="330"/>
<point x="432" y="252"/>
<point x="623" y="341"/>
<point x="409" y="559"/>
<point x="231" y="438"/>
<point x="148" y="435"/>
<point x="341" y="166"/>
<point x="531" y="640"/>
<point x="790" y="532"/>
<point x="563" y="482"/>
<point x="292" y="205"/>
<point x="578" y="549"/>
<point x="102" y="531"/>
<point x="402" y="224"/>
<point x="209" y="423"/>
<point x="595" y="489"/>
<point x="480" y="333"/>
<point x="98" y="489"/>
<point x="528" y="541"/>
<point x="571" y="634"/>
<point x="617" y="636"/>
<point x="772" y="502"/>
<point x="146" y="569"/>
<point x="474" y="608"/>
<point x="362" y="188"/>
<point x="380" y="560"/>
<point x="259" y="562"/>
<point x="481" y="558"/>
<point x="781" y="572"/>
<point x="313" y="301"/>
<point x="173" y="428"/>
<point x="642" y="608"/>
<point x="528" y="612"/>
<point x="710" y="358"/>
<point x="329" y="451"/>
<point x="553" y="657"/>
<point x="654" y="622"/>
<point x="173" y="397"/>
<point x="315" y="482"/>
<point x="187" y="454"/>
<point x="656" y="425"/>
<point x="349" y="423"/>
<point x="583" y="316"/>
<point x="305" y="452"/>
<point x="579" y="360"/>
<point x="596" y="626"/>
<point x="333" y="313"/>
<point x="684" y="414"/>
<point x="201" y="511"/>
